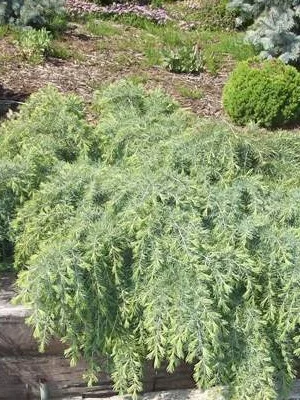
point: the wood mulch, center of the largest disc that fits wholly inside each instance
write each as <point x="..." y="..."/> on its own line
<point x="95" y="67"/>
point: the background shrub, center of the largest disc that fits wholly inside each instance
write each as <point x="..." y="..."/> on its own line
<point x="274" y="26"/>
<point x="30" y="12"/>
<point x="264" y="92"/>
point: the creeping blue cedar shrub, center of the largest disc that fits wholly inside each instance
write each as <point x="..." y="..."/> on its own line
<point x="182" y="243"/>
<point x="264" y="92"/>
<point x="50" y="128"/>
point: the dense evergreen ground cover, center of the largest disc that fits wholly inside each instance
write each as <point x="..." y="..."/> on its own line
<point x="138" y="230"/>
<point x="150" y="234"/>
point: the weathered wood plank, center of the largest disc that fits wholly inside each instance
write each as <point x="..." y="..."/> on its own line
<point x="21" y="366"/>
<point x="15" y="336"/>
<point x="22" y="372"/>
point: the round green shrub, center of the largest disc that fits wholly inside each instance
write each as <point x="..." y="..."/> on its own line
<point x="264" y="92"/>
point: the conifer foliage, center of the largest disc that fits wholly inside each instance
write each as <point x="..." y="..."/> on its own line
<point x="180" y="241"/>
<point x="29" y="12"/>
<point x="49" y="129"/>
<point x="265" y="92"/>
<point x="276" y="26"/>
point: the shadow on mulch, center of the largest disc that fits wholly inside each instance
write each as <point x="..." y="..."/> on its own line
<point x="10" y="100"/>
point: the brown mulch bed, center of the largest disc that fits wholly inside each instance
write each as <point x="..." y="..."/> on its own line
<point x="97" y="67"/>
<point x="209" y="105"/>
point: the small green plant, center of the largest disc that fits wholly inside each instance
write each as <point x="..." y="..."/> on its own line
<point x="264" y="92"/>
<point x="184" y="60"/>
<point x="33" y="44"/>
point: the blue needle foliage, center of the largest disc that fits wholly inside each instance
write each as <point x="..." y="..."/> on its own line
<point x="274" y="26"/>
